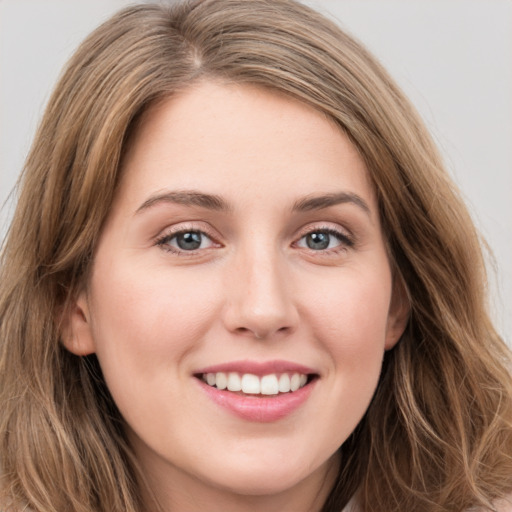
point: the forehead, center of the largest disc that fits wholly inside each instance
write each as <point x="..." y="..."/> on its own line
<point x="220" y="137"/>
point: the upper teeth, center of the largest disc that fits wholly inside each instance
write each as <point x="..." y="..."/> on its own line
<point x="270" y="384"/>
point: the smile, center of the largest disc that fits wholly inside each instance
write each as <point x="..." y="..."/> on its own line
<point x="248" y="383"/>
<point x="258" y="391"/>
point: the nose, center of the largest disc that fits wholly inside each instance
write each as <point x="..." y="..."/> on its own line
<point x="259" y="298"/>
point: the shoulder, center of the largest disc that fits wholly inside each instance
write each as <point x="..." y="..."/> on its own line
<point x="351" y="506"/>
<point x="504" y="505"/>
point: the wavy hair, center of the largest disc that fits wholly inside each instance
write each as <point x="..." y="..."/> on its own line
<point x="438" y="433"/>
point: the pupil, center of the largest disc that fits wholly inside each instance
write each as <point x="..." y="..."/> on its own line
<point x="318" y="241"/>
<point x="189" y="241"/>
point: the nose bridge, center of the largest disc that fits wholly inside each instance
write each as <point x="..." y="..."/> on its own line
<point x="260" y="302"/>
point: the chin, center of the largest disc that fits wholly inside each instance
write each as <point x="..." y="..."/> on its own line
<point x="271" y="478"/>
<point x="261" y="483"/>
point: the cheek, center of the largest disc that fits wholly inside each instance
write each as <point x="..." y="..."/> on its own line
<point x="347" y="318"/>
<point x="350" y="320"/>
<point x="146" y="322"/>
<point x="354" y="306"/>
<point x="146" y="318"/>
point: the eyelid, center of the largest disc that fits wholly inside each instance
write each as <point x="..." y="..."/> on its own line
<point x="185" y="227"/>
<point x="346" y="238"/>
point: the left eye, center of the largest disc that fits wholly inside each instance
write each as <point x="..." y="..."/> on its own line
<point x="187" y="241"/>
<point x="322" y="240"/>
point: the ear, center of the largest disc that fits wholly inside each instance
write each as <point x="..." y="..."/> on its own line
<point x="76" y="330"/>
<point x="399" y="311"/>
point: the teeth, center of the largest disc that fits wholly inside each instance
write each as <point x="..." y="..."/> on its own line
<point x="271" y="384"/>
<point x="284" y="383"/>
<point x="251" y="384"/>
<point x="221" y="381"/>
<point x="295" y="382"/>
<point x="234" y="383"/>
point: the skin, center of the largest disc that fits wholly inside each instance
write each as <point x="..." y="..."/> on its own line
<point x="254" y="290"/>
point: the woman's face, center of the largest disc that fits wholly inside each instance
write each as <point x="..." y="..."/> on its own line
<point x="243" y="250"/>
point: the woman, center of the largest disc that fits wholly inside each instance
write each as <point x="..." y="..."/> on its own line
<point x="238" y="278"/>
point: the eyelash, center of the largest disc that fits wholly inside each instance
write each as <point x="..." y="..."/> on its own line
<point x="345" y="241"/>
<point x="163" y="241"/>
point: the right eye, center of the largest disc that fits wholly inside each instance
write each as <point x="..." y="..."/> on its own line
<point x="186" y="241"/>
<point x="324" y="239"/>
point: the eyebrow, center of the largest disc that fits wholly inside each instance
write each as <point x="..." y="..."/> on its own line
<point x="325" y="201"/>
<point x="217" y="203"/>
<point x="186" y="198"/>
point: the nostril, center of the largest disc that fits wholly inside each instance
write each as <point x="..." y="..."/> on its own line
<point x="261" y="334"/>
<point x="245" y="330"/>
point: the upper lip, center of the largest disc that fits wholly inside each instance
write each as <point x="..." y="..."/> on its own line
<point x="259" y="368"/>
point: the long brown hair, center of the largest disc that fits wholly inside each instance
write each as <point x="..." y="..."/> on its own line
<point x="438" y="433"/>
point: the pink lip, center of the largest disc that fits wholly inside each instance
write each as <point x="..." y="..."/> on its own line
<point x="258" y="408"/>
<point x="257" y="367"/>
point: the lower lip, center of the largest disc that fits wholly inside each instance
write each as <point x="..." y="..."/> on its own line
<point x="259" y="408"/>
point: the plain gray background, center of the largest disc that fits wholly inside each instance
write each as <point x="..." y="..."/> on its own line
<point x="452" y="57"/>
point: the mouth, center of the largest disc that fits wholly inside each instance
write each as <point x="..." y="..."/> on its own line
<point x="258" y="391"/>
<point x="267" y="385"/>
